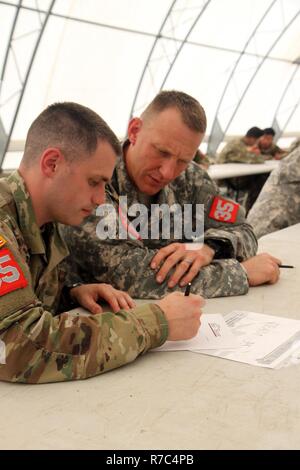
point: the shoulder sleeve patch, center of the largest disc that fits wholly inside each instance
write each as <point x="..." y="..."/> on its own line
<point x="11" y="275"/>
<point x="223" y="210"/>
<point x="2" y="241"/>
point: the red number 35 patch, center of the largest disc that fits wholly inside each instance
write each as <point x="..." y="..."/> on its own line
<point x="223" y="210"/>
<point x="11" y="275"/>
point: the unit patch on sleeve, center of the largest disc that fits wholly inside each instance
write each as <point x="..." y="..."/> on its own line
<point x="2" y="241"/>
<point x="11" y="275"/>
<point x="223" y="210"/>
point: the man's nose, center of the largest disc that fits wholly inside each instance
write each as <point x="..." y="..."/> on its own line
<point x="168" y="169"/>
<point x="98" y="197"/>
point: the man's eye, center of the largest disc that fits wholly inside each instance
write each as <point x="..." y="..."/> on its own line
<point x="94" y="183"/>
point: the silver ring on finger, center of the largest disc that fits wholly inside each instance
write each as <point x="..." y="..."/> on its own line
<point x="188" y="261"/>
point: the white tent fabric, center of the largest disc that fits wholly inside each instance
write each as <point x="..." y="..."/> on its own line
<point x="239" y="58"/>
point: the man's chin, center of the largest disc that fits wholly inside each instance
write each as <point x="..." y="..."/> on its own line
<point x="150" y="189"/>
<point x="74" y="221"/>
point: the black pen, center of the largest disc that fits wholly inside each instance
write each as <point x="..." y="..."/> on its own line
<point x="188" y="289"/>
<point x="285" y="266"/>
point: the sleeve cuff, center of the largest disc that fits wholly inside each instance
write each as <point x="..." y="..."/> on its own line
<point x="154" y="322"/>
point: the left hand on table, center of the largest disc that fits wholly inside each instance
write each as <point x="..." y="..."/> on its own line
<point x="189" y="258"/>
<point x="87" y="296"/>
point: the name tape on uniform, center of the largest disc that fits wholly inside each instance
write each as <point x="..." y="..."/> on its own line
<point x="11" y="275"/>
<point x="223" y="210"/>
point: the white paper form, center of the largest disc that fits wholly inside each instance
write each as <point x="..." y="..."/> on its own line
<point x="213" y="334"/>
<point x="265" y="340"/>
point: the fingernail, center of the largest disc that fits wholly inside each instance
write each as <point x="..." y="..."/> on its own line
<point x="182" y="284"/>
<point x="153" y="265"/>
<point x="171" y="284"/>
<point x="159" y="279"/>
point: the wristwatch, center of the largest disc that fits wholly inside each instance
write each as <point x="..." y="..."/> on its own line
<point x="66" y="293"/>
<point x="220" y="247"/>
<point x="76" y="284"/>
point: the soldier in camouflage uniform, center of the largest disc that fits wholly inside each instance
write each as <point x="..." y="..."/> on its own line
<point x="243" y="150"/>
<point x="278" y="205"/>
<point x="157" y="168"/>
<point x="69" y="154"/>
<point x="294" y="145"/>
<point x="202" y="159"/>
<point x="267" y="147"/>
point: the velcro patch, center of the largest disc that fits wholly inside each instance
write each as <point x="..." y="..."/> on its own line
<point x="2" y="352"/>
<point x="11" y="275"/>
<point x="223" y="210"/>
<point x="2" y="241"/>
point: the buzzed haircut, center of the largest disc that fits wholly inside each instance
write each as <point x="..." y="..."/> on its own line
<point x="71" y="127"/>
<point x="269" y="131"/>
<point x="255" y="132"/>
<point x="192" y="113"/>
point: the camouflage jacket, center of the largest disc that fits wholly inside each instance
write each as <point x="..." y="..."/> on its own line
<point x="294" y="145"/>
<point x="37" y="256"/>
<point x="278" y="204"/>
<point x="31" y="273"/>
<point x="236" y="152"/>
<point x="126" y="263"/>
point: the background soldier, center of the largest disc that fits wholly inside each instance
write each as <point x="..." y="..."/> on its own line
<point x="243" y="150"/>
<point x="266" y="146"/>
<point x="278" y="205"/>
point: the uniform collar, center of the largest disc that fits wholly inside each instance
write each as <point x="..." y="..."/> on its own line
<point x="27" y="220"/>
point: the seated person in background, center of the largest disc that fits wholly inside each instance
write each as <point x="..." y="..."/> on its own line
<point x="157" y="170"/>
<point x="267" y="148"/>
<point x="294" y="145"/>
<point x="278" y="204"/>
<point x="202" y="159"/>
<point x="69" y="155"/>
<point x="243" y="150"/>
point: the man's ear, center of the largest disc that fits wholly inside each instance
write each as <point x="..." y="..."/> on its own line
<point x="134" y="128"/>
<point x="51" y="159"/>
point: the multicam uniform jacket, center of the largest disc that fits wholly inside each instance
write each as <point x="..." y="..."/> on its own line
<point x="35" y="344"/>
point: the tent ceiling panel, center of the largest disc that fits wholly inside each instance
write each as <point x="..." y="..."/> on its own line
<point x="182" y="16"/>
<point x="293" y="125"/>
<point x="228" y="24"/>
<point x="142" y="15"/>
<point x="98" y="55"/>
<point x="289" y="106"/>
<point x="261" y="101"/>
<point x="37" y="4"/>
<point x="281" y="15"/>
<point x="80" y="67"/>
<point x="289" y="45"/>
<point x="29" y="21"/>
<point x="6" y="20"/>
<point x="202" y="73"/>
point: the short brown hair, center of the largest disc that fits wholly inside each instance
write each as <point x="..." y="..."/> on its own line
<point x="71" y="127"/>
<point x="192" y="113"/>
